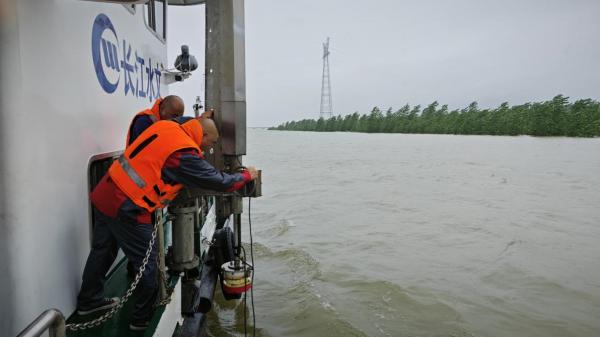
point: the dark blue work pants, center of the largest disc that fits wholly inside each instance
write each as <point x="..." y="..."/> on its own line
<point x="133" y="238"/>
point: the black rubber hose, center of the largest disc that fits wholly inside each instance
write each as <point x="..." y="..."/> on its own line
<point x="206" y="292"/>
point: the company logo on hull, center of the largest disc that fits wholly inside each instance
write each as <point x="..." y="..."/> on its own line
<point x="116" y="63"/>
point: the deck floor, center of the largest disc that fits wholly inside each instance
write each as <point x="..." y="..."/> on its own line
<point x="118" y="326"/>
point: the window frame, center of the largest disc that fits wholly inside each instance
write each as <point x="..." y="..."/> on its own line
<point x="94" y="176"/>
<point x="152" y="26"/>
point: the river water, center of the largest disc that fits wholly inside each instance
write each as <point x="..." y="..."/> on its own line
<point x="422" y="235"/>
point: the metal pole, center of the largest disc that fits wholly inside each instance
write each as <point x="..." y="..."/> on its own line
<point x="226" y="87"/>
<point x="226" y="72"/>
<point x="51" y="320"/>
<point x="182" y="226"/>
<point x="237" y="223"/>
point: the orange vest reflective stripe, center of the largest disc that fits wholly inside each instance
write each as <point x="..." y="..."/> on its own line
<point x="152" y="113"/>
<point x="138" y="171"/>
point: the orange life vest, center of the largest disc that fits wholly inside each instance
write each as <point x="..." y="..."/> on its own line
<point x="152" y="113"/>
<point x="137" y="172"/>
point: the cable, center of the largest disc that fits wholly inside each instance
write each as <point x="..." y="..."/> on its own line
<point x="253" y="269"/>
<point x="245" y="296"/>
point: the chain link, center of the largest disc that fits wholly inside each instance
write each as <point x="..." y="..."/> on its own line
<point x="122" y="300"/>
<point x="163" y="279"/>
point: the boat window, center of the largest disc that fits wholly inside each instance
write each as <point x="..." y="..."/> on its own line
<point x="156" y="17"/>
<point x="98" y="166"/>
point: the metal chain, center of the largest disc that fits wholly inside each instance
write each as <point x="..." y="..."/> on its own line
<point x="163" y="279"/>
<point x="123" y="300"/>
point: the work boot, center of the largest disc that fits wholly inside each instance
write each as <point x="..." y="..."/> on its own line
<point x="138" y="325"/>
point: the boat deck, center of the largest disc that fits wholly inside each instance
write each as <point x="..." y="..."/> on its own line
<point x="118" y="326"/>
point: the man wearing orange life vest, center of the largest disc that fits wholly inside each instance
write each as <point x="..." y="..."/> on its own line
<point x="163" y="109"/>
<point x="166" y="157"/>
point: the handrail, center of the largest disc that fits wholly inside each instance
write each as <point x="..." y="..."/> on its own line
<point x="51" y="320"/>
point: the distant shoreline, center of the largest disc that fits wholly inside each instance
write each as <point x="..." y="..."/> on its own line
<point x="556" y="117"/>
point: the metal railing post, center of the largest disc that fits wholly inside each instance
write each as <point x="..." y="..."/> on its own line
<point x="51" y="320"/>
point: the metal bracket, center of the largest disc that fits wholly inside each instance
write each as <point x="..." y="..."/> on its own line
<point x="252" y="189"/>
<point x="173" y="76"/>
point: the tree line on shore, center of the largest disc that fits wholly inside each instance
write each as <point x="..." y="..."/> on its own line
<point x="556" y="117"/>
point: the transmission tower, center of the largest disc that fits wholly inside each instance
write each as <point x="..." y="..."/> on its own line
<point x="326" y="105"/>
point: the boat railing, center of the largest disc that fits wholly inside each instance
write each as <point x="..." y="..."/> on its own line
<point x="51" y="320"/>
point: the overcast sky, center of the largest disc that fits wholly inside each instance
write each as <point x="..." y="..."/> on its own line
<point x="388" y="53"/>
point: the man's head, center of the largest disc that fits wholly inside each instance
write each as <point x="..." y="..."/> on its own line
<point x="202" y="130"/>
<point x="210" y="133"/>
<point x="171" y="106"/>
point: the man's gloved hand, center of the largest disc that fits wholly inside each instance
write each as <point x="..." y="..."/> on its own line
<point x="208" y="114"/>
<point x="253" y="172"/>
